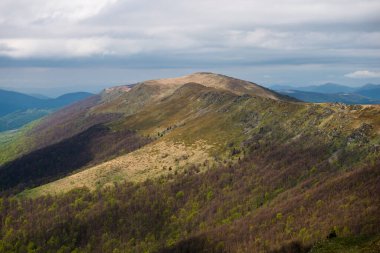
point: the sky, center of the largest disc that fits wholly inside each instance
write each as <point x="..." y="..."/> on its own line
<point x="57" y="46"/>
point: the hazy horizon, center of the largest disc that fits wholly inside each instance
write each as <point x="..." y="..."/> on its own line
<point x="56" y="92"/>
<point x="55" y="48"/>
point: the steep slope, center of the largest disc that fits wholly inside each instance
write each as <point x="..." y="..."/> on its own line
<point x="95" y="145"/>
<point x="130" y="100"/>
<point x="209" y="127"/>
<point x="294" y="183"/>
<point x="119" y="101"/>
<point x="228" y="169"/>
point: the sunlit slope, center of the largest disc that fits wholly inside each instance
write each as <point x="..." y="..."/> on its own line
<point x="119" y="101"/>
<point x="208" y="169"/>
<point x="211" y="127"/>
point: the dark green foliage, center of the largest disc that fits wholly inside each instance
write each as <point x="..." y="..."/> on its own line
<point x="359" y="244"/>
<point x="197" y="244"/>
<point x="332" y="234"/>
<point x="293" y="247"/>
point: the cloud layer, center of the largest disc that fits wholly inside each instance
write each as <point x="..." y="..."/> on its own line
<point x="43" y="28"/>
<point x="198" y="33"/>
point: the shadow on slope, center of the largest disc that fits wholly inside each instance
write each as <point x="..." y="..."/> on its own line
<point x="195" y="244"/>
<point x="65" y="123"/>
<point x="92" y="146"/>
<point x="269" y="198"/>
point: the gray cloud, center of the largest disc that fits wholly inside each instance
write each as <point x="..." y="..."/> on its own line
<point x="112" y="27"/>
<point x="184" y="34"/>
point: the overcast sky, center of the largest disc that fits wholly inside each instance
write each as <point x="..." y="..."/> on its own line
<point x="57" y="46"/>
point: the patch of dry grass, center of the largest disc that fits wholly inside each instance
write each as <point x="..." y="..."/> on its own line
<point x="151" y="161"/>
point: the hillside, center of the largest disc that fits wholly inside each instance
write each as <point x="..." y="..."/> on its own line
<point x="117" y="102"/>
<point x="200" y="163"/>
<point x="17" y="109"/>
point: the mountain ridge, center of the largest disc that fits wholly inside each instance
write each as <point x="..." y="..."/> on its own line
<point x="181" y="166"/>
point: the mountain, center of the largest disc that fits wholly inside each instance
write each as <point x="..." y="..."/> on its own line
<point x="17" y="109"/>
<point x="370" y="90"/>
<point x="327" y="88"/>
<point x="367" y="94"/>
<point x="40" y="96"/>
<point x="314" y="97"/>
<point x="200" y="163"/>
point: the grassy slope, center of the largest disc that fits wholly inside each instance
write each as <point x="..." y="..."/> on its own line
<point x="16" y="142"/>
<point x="304" y="169"/>
<point x="95" y="145"/>
<point x="216" y="123"/>
<point x="52" y="129"/>
<point x="112" y="104"/>
<point x="272" y="197"/>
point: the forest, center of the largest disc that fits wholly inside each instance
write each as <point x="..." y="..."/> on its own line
<point x="271" y="200"/>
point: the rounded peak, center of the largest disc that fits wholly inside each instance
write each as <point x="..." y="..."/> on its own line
<point x="204" y="73"/>
<point x="167" y="86"/>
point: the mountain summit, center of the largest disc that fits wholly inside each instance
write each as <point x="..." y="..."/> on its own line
<point x="216" y="81"/>
<point x="199" y="163"/>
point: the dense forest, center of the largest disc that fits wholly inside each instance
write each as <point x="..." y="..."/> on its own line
<point x="267" y="201"/>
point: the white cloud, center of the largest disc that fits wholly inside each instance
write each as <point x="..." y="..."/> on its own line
<point x="364" y="74"/>
<point x="25" y="12"/>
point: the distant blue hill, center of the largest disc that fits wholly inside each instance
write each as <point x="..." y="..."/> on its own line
<point x="315" y="97"/>
<point x="37" y="95"/>
<point x="18" y="109"/>
<point x="330" y="92"/>
<point x="328" y="88"/>
<point x="369" y="90"/>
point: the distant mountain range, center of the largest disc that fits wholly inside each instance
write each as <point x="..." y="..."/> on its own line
<point x="331" y="92"/>
<point x="18" y="109"/>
